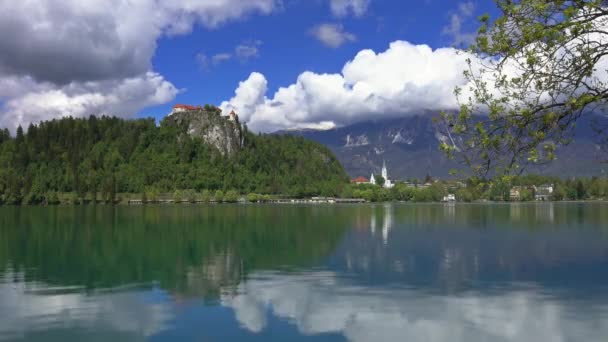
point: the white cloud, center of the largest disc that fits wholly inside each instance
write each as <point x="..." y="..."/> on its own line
<point x="342" y="8"/>
<point x="248" y="96"/>
<point x="332" y="35"/>
<point x="248" y="50"/>
<point x="71" y="53"/>
<point x="220" y="58"/>
<point x="204" y="61"/>
<point x="455" y="28"/>
<point x="122" y="97"/>
<point x="100" y="39"/>
<point x="403" y="80"/>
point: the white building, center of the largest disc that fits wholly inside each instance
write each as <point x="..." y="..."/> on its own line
<point x="449" y="198"/>
<point x="543" y="192"/>
<point x="387" y="182"/>
<point x="232" y="116"/>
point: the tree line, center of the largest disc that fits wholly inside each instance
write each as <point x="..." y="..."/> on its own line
<point x="476" y="189"/>
<point x="96" y="158"/>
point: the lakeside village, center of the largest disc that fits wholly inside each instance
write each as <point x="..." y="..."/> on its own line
<point x="526" y="188"/>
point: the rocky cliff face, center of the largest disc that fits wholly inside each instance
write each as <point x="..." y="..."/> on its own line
<point x="214" y="129"/>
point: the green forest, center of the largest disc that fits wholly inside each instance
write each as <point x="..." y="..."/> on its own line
<point x="97" y="158"/>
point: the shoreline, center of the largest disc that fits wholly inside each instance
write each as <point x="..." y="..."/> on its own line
<point x="296" y="202"/>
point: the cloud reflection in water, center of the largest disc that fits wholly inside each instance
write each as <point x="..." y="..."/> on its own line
<point x="28" y="308"/>
<point x="323" y="302"/>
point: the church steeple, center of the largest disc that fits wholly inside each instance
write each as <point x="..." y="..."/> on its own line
<point x="384" y="170"/>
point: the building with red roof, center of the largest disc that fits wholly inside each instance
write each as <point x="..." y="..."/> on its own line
<point x="360" y="180"/>
<point x="185" y="108"/>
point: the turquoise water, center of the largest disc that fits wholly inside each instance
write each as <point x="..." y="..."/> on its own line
<point x="522" y="272"/>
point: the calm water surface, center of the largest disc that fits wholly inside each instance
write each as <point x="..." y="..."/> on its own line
<point x="530" y="272"/>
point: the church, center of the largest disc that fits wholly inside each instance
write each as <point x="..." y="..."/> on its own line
<point x="387" y="182"/>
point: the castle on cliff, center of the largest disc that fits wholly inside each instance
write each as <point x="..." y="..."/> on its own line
<point x="180" y="108"/>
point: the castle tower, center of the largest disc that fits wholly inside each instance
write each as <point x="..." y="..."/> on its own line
<point x="232" y="116"/>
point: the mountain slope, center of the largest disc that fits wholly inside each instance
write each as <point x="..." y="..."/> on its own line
<point x="410" y="147"/>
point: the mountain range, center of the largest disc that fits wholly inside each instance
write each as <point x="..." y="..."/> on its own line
<point x="410" y="148"/>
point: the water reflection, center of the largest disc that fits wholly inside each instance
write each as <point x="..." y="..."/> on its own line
<point x="33" y="310"/>
<point x="386" y="221"/>
<point x="324" y="302"/>
<point x="543" y="211"/>
<point x="523" y="272"/>
<point x="474" y="249"/>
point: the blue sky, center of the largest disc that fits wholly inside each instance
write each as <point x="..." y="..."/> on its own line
<point x="288" y="48"/>
<point x="284" y="58"/>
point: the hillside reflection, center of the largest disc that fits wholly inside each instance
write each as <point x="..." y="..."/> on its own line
<point x="191" y="251"/>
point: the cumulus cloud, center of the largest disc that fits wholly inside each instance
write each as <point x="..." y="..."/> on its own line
<point x="342" y="8"/>
<point x="90" y="40"/>
<point x="71" y="53"/>
<point x="405" y="79"/>
<point x="122" y="97"/>
<point x="248" y="96"/>
<point x="332" y="35"/>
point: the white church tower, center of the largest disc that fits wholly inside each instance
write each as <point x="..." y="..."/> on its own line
<point x="387" y="182"/>
<point x="384" y="170"/>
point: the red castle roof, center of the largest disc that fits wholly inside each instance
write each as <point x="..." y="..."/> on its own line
<point x="360" y="180"/>
<point x="187" y="107"/>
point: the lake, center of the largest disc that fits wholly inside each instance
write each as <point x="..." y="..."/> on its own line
<point x="394" y="272"/>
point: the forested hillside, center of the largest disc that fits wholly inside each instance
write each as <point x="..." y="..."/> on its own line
<point x="104" y="156"/>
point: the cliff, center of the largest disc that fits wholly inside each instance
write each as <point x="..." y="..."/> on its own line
<point x="213" y="128"/>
